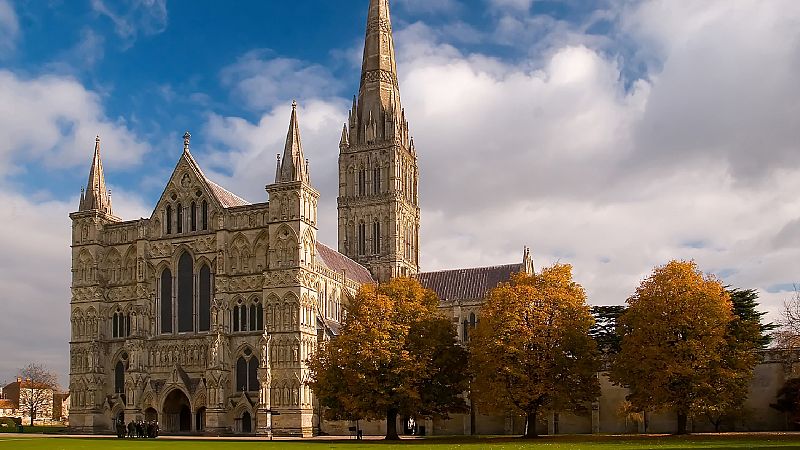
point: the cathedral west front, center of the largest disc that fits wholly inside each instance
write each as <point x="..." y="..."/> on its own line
<point x="202" y="315"/>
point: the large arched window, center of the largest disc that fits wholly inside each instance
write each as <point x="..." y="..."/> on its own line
<point x="168" y="219"/>
<point x="185" y="294"/>
<point x="247" y="372"/>
<point x="166" y="301"/>
<point x="204" y="299"/>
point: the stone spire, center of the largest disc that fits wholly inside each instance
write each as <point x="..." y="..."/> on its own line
<point x="96" y="197"/>
<point x="376" y="115"/>
<point x="293" y="166"/>
<point x="527" y="261"/>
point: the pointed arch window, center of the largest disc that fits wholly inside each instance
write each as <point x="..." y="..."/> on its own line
<point x="168" y="219"/>
<point x="204" y="212"/>
<point x="166" y="301"/>
<point x="247" y="372"/>
<point x="119" y="377"/>
<point x="185" y="294"/>
<point x="179" y="222"/>
<point x="376" y="180"/>
<point x="204" y="299"/>
<point x="376" y="237"/>
<point x="362" y="182"/>
<point x="193" y="218"/>
<point x="248" y="317"/>
<point x="120" y="325"/>
<point x="362" y="238"/>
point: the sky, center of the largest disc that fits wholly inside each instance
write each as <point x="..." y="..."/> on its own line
<point x="613" y="135"/>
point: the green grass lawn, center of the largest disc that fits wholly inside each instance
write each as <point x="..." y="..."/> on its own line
<point x="749" y="441"/>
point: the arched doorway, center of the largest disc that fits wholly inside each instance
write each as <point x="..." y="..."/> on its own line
<point x="150" y="415"/>
<point x="177" y="415"/>
<point x="247" y="423"/>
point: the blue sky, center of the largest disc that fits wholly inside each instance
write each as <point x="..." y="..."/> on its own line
<point x="614" y="135"/>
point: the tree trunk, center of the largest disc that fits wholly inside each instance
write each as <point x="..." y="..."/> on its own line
<point x="681" y="423"/>
<point x="33" y="416"/>
<point x="531" y="433"/>
<point x="391" y="425"/>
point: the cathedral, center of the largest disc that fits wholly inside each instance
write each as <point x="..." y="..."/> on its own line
<point x="202" y="316"/>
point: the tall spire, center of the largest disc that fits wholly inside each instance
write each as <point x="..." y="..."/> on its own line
<point x="96" y="196"/>
<point x="293" y="165"/>
<point x="379" y="93"/>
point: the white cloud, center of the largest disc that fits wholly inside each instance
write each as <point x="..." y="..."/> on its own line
<point x="9" y="27"/>
<point x="52" y="121"/>
<point x="132" y="18"/>
<point x="261" y="81"/>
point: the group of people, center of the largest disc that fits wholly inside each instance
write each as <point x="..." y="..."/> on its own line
<point x="138" y="429"/>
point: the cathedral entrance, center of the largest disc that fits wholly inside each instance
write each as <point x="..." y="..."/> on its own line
<point x="150" y="415"/>
<point x="247" y="423"/>
<point x="177" y="415"/>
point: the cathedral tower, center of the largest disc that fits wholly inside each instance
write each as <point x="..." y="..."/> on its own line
<point x="378" y="198"/>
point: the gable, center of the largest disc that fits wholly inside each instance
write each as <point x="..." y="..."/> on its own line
<point x="189" y="184"/>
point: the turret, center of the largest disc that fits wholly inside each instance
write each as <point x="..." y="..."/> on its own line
<point x="96" y="197"/>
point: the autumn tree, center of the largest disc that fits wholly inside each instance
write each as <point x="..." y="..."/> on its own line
<point x="36" y="390"/>
<point x="678" y="349"/>
<point x="395" y="355"/>
<point x="531" y="351"/>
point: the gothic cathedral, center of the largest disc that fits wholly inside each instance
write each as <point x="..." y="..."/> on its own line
<point x="202" y="316"/>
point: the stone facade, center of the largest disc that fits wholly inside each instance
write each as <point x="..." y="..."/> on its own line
<point x="202" y="316"/>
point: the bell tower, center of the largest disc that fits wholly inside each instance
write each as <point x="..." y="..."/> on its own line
<point x="378" y="198"/>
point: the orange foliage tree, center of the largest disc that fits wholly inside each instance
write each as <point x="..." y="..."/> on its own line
<point x="677" y="350"/>
<point x="395" y="355"/>
<point x="531" y="350"/>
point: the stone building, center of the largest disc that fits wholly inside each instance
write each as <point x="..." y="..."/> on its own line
<point x="202" y="315"/>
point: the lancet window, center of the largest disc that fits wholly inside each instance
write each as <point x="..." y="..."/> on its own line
<point x="248" y="317"/>
<point x="120" y="325"/>
<point x="247" y="372"/>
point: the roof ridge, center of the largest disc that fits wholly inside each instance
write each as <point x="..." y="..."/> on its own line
<point x="472" y="268"/>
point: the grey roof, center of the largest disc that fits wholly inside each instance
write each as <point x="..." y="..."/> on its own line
<point x="227" y="198"/>
<point x="337" y="262"/>
<point x="467" y="284"/>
